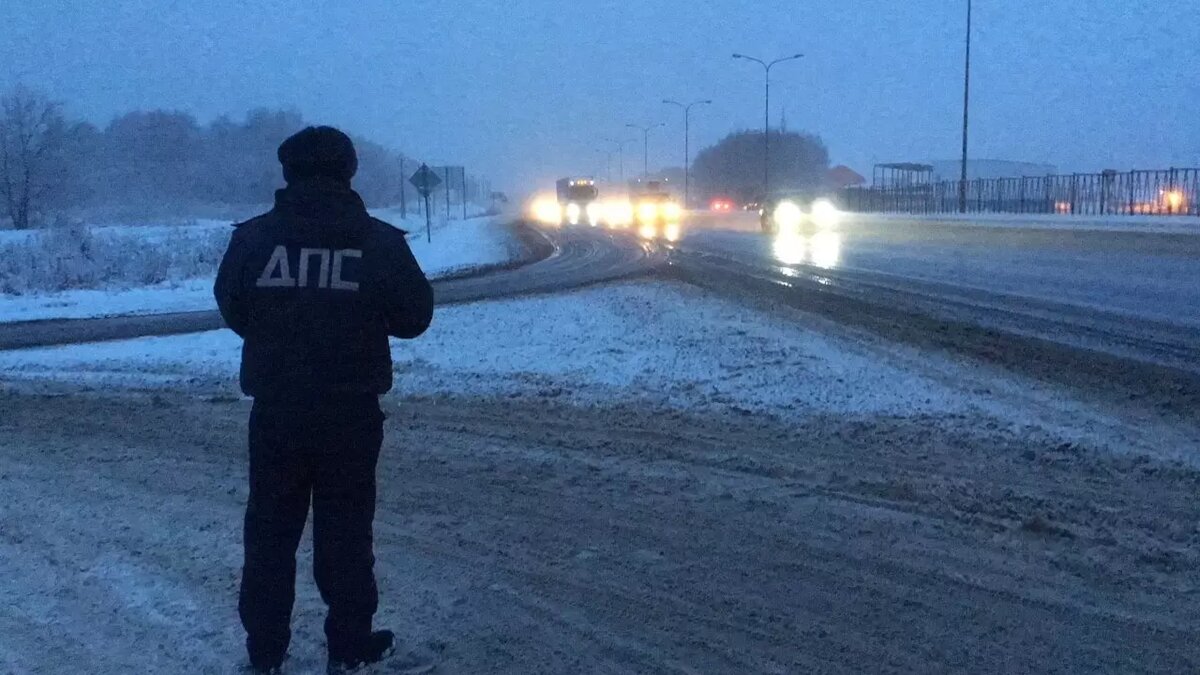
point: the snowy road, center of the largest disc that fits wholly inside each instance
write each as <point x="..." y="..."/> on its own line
<point x="1134" y="293"/>
<point x="1151" y="276"/>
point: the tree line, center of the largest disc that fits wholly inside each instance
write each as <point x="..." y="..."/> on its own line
<point x="50" y="163"/>
<point x="733" y="167"/>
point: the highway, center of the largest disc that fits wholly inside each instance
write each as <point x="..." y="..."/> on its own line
<point x="1148" y="276"/>
<point x="1127" y="293"/>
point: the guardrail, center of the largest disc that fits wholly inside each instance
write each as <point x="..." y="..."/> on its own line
<point x="1163" y="192"/>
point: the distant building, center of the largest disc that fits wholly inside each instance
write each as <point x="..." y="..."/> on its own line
<point x="842" y="176"/>
<point x="951" y="169"/>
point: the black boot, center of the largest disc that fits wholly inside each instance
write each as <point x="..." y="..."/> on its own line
<point x="379" y="646"/>
<point x="374" y="649"/>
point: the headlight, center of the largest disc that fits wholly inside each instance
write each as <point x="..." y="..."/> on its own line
<point x="788" y="248"/>
<point x="671" y="211"/>
<point x="647" y="211"/>
<point x="648" y="231"/>
<point x="573" y="212"/>
<point x="824" y="213"/>
<point x="594" y="212"/>
<point x="672" y="232"/>
<point x="618" y="213"/>
<point x="547" y="211"/>
<point x="788" y="216"/>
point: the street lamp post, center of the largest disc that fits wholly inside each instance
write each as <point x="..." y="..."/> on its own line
<point x="962" y="180"/>
<point x="687" y="112"/>
<point x="620" y="153"/>
<point x="645" y="144"/>
<point x="767" y="113"/>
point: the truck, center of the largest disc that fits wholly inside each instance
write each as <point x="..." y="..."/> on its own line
<point x="577" y="200"/>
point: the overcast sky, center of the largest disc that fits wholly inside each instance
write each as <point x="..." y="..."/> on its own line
<point x="524" y="90"/>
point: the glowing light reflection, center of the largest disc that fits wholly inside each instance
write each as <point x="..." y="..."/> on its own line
<point x="788" y="248"/>
<point x="826" y="249"/>
<point x="823" y="249"/>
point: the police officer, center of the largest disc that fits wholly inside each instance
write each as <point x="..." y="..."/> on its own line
<point x="314" y="287"/>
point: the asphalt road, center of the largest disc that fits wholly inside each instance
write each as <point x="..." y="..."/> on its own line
<point x="562" y="259"/>
<point x="1129" y="293"/>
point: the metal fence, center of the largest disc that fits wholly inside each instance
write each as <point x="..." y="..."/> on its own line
<point x="1161" y="192"/>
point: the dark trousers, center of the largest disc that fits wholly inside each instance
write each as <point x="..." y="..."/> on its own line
<point x="328" y="454"/>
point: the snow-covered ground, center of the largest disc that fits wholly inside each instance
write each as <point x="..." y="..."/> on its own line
<point x="150" y="233"/>
<point x="663" y="344"/>
<point x="638" y="477"/>
<point x="461" y="244"/>
<point x="455" y="245"/>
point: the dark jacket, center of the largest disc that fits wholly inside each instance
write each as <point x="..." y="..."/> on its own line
<point x="315" y="287"/>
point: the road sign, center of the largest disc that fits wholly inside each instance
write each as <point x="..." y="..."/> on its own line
<point x="425" y="180"/>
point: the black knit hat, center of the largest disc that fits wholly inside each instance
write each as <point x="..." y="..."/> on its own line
<point x="318" y="151"/>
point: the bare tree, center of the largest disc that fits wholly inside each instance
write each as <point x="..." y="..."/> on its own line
<point x="31" y="131"/>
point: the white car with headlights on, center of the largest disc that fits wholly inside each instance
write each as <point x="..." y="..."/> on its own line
<point x="657" y="216"/>
<point x="793" y="214"/>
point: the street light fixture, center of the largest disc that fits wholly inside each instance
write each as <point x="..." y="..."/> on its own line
<point x="767" y="113"/>
<point x="687" y="169"/>
<point x="620" y="153"/>
<point x="646" y="144"/>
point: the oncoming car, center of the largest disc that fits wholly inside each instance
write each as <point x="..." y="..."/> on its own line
<point x="657" y="216"/>
<point x="792" y="213"/>
<point x="656" y="207"/>
<point x="656" y="212"/>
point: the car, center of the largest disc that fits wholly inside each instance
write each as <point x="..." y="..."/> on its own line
<point x="792" y="213"/>
<point x="720" y="205"/>
<point x="658" y="216"/>
<point x="656" y="207"/>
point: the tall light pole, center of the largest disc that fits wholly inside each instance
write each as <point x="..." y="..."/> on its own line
<point x="962" y="181"/>
<point x="767" y="113"/>
<point x="620" y="152"/>
<point x="687" y="169"/>
<point x="645" y="144"/>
